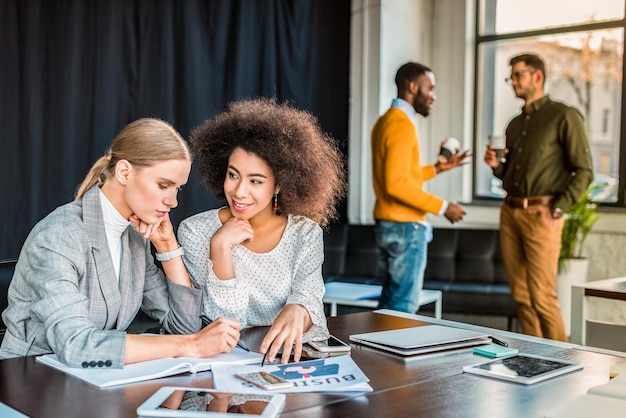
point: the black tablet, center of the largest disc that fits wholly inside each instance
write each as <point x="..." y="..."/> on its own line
<point x="524" y="368"/>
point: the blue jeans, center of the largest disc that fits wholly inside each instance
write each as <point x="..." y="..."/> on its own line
<point x="401" y="263"/>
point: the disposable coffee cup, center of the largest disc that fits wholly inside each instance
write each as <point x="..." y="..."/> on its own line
<point x="498" y="143"/>
<point x="450" y="147"/>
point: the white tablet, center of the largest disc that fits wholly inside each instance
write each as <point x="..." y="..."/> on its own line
<point x="524" y="368"/>
<point x="172" y="401"/>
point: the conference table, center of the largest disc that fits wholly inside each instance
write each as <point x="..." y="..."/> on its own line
<point x="428" y="385"/>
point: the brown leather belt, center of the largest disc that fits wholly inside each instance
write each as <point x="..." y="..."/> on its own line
<point x="525" y="202"/>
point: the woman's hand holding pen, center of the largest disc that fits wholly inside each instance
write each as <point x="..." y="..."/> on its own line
<point x="206" y="321"/>
<point x="220" y="336"/>
<point x="286" y="333"/>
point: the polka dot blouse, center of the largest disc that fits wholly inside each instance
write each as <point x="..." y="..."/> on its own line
<point x="264" y="282"/>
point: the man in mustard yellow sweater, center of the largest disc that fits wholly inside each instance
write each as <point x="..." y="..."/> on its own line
<point x="402" y="233"/>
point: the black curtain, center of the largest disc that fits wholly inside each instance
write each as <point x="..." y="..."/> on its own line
<point x="75" y="72"/>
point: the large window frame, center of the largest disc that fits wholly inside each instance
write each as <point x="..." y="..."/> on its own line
<point x="484" y="11"/>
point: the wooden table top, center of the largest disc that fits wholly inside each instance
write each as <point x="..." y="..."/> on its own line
<point x="431" y="385"/>
<point x="608" y="289"/>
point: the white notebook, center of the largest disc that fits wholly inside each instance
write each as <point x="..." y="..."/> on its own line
<point x="153" y="369"/>
<point x="421" y="340"/>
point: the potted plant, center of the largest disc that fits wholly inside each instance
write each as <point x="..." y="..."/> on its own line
<point x="573" y="267"/>
<point x="578" y="221"/>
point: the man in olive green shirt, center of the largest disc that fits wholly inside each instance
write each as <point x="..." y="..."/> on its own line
<point x="547" y="167"/>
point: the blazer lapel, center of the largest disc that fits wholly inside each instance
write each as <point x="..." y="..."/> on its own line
<point x="131" y="277"/>
<point x="105" y="283"/>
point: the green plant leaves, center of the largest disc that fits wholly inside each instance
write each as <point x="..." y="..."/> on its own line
<point x="578" y="222"/>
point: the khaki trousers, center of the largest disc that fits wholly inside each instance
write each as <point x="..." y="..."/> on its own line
<point x="531" y="242"/>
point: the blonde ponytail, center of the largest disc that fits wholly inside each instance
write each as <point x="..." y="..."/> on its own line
<point x="143" y="143"/>
<point x="98" y="174"/>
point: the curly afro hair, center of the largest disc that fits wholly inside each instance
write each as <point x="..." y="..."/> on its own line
<point x="306" y="162"/>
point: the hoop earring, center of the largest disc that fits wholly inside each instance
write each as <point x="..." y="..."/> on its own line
<point x="275" y="206"/>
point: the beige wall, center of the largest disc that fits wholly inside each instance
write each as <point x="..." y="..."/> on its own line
<point x="607" y="254"/>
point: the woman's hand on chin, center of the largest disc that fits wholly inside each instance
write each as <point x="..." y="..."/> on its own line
<point x="142" y="227"/>
<point x="159" y="232"/>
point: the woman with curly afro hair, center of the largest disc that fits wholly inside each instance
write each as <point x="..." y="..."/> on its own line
<point x="259" y="259"/>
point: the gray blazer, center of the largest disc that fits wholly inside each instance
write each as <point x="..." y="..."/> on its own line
<point x="65" y="297"/>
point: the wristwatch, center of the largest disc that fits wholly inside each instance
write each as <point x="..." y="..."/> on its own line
<point x="171" y="254"/>
<point x="557" y="213"/>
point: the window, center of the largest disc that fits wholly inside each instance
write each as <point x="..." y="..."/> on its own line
<point x="582" y="43"/>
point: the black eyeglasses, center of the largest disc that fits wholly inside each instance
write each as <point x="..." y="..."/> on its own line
<point x="517" y="74"/>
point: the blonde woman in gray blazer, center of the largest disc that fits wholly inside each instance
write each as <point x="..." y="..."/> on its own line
<point x="86" y="269"/>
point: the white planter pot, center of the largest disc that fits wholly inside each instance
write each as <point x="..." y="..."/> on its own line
<point x="576" y="274"/>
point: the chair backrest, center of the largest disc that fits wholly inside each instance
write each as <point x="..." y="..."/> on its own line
<point x="335" y="244"/>
<point x="7" y="267"/>
<point x="350" y="254"/>
<point x="458" y="255"/>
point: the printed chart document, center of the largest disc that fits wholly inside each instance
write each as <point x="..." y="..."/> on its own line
<point x="606" y="401"/>
<point x="153" y="369"/>
<point x="331" y="374"/>
<point x="421" y="340"/>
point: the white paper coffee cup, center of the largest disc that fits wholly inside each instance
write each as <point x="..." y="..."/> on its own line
<point x="450" y="147"/>
<point x="498" y="143"/>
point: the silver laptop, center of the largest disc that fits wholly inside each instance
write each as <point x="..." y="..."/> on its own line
<point x="420" y="340"/>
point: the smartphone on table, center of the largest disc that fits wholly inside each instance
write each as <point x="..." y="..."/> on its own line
<point x="332" y="345"/>
<point x="265" y="380"/>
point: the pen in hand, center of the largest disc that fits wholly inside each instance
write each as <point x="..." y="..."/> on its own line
<point x="267" y="352"/>
<point x="206" y="321"/>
